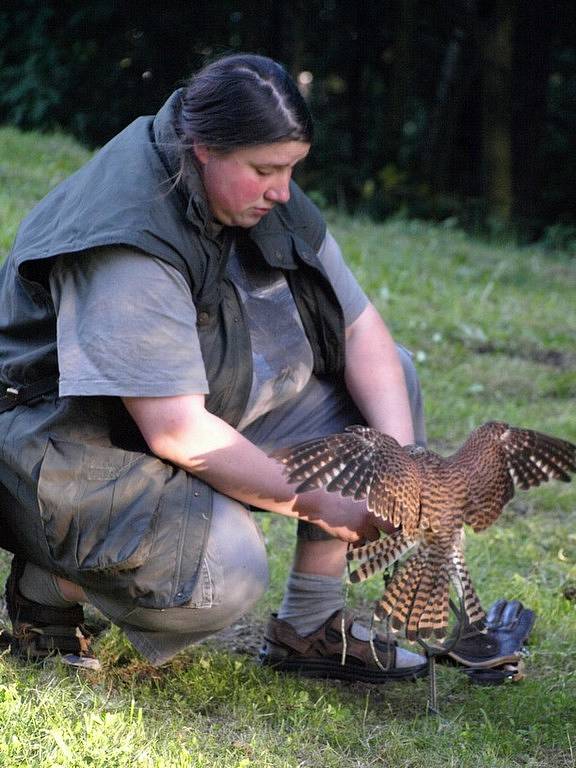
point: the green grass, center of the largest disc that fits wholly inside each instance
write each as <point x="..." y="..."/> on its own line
<point x="493" y="329"/>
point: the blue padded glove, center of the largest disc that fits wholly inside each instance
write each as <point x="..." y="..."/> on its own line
<point x="495" y="655"/>
<point x="511" y="622"/>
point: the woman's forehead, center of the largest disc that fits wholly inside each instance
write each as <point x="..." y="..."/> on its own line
<point x="281" y="153"/>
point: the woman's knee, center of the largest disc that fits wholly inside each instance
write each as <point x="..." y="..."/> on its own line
<point x="234" y="568"/>
<point x="232" y="576"/>
<point x="236" y="556"/>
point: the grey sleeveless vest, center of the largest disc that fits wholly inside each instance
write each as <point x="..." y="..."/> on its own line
<point x="126" y="195"/>
<point x="90" y="507"/>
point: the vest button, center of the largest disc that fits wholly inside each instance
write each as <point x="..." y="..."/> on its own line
<point x="203" y="318"/>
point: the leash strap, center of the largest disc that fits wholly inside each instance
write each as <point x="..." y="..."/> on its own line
<point x="14" y="396"/>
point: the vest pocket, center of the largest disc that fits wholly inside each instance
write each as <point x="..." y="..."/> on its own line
<point x="99" y="504"/>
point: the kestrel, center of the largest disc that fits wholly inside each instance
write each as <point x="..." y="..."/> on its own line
<point x="428" y="498"/>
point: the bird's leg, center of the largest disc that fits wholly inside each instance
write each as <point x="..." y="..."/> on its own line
<point x="433" y="651"/>
<point x="462" y="618"/>
<point x="432" y="708"/>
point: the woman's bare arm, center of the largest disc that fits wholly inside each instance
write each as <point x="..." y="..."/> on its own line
<point x="375" y="378"/>
<point x="180" y="430"/>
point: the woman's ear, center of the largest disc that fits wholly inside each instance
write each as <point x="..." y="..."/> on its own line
<point x="202" y="153"/>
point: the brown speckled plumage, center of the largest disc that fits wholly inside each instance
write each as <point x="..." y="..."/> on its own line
<point x="428" y="498"/>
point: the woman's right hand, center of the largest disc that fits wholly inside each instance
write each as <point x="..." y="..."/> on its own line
<point x="340" y="516"/>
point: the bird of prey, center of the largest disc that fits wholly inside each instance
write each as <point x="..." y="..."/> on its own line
<point x="427" y="498"/>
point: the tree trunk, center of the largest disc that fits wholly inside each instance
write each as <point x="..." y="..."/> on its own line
<point x="496" y="48"/>
<point x="531" y="68"/>
<point x="458" y="71"/>
<point x="355" y="80"/>
<point x="401" y="84"/>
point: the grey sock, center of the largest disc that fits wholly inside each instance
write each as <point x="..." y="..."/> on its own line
<point x="41" y="587"/>
<point x="309" y="600"/>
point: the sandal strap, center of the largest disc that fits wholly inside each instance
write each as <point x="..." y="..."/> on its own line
<point x="327" y="642"/>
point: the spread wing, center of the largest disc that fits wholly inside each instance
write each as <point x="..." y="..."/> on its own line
<point x="363" y="463"/>
<point x="497" y="457"/>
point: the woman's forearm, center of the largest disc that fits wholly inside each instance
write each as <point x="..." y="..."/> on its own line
<point x="181" y="431"/>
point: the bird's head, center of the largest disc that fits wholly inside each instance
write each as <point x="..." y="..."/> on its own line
<point x="415" y="450"/>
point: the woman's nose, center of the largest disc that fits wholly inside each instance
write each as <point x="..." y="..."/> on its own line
<point x="279" y="191"/>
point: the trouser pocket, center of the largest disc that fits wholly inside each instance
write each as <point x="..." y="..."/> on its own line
<point x="99" y="504"/>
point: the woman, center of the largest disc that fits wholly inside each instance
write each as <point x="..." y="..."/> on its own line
<point x="169" y="315"/>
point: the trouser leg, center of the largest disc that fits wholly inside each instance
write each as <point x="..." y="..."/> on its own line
<point x="43" y="587"/>
<point x="233" y="575"/>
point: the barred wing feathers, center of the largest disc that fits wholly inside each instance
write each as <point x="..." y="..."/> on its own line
<point x="497" y="457"/>
<point x="363" y="463"/>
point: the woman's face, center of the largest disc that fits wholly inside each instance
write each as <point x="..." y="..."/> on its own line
<point x="244" y="185"/>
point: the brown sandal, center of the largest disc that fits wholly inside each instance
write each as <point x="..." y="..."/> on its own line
<point x="320" y="653"/>
<point x="40" y="631"/>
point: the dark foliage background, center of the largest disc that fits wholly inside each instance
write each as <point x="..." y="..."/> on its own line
<point x="455" y="108"/>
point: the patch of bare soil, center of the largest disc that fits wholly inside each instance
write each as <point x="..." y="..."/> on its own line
<point x="555" y="358"/>
<point x="244" y="636"/>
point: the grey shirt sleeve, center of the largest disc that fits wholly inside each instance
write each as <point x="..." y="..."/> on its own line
<point x="351" y="296"/>
<point x="126" y="326"/>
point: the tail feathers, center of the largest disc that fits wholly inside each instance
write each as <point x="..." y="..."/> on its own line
<point x="417" y="598"/>
<point x="422" y="596"/>
<point x="378" y="555"/>
<point x="397" y="601"/>
<point x="434" y="619"/>
<point x="404" y="595"/>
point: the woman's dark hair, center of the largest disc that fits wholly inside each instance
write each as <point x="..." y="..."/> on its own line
<point x="242" y="100"/>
